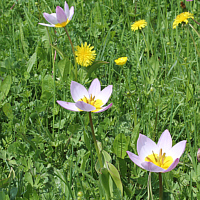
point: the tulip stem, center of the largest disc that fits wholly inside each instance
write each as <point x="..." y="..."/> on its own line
<point x="160" y="187"/>
<point x="73" y="52"/>
<point x="95" y="141"/>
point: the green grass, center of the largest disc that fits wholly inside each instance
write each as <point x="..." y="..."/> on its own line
<point x="50" y="148"/>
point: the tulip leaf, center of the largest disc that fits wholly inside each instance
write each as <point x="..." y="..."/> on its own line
<point x="106" y="157"/>
<point x="65" y="66"/>
<point x="115" y="176"/>
<point x="5" y="87"/>
<point x="59" y="51"/>
<point x="104" y="179"/>
<point x="31" y="62"/>
<point x="120" y="145"/>
<point x="94" y="66"/>
<point x="5" y="182"/>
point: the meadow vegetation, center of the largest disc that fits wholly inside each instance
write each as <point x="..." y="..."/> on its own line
<point x="46" y="151"/>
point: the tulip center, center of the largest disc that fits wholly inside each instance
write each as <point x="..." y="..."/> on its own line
<point x="97" y="103"/>
<point x="160" y="160"/>
<point x="63" y="24"/>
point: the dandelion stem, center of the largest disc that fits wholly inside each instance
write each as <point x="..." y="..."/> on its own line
<point x="160" y="187"/>
<point x="95" y="141"/>
<point x="73" y="52"/>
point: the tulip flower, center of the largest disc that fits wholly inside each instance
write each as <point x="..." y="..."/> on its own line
<point x="59" y="19"/>
<point x="92" y="100"/>
<point x="160" y="157"/>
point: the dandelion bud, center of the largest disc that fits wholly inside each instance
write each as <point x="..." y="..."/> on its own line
<point x="198" y="155"/>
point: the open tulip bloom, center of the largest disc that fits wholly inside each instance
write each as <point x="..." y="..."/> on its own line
<point x="59" y="19"/>
<point x="92" y="100"/>
<point x="161" y="157"/>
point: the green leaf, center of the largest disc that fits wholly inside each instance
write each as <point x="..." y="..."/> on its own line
<point x="104" y="179"/>
<point x="4" y="196"/>
<point x="59" y="51"/>
<point x="7" y="109"/>
<point x="28" y="178"/>
<point x="31" y="62"/>
<point x="5" y="87"/>
<point x="115" y="176"/>
<point x="5" y="182"/>
<point x="120" y="145"/>
<point x="189" y="92"/>
<point x="65" y="67"/>
<point x="94" y="66"/>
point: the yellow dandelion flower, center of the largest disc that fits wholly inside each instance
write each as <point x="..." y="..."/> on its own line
<point x="138" y="25"/>
<point x="85" y="55"/>
<point x="183" y="17"/>
<point x="121" y="61"/>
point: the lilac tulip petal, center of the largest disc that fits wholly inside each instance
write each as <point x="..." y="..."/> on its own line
<point x="177" y="150"/>
<point x="66" y="9"/>
<point x="51" y="18"/>
<point x="71" y="13"/>
<point x="50" y="25"/>
<point x="172" y="166"/>
<point x="151" y="167"/>
<point x="84" y="106"/>
<point x="95" y="87"/>
<point x="145" y="146"/>
<point x="78" y="91"/>
<point x="136" y="159"/>
<point x="104" y="95"/>
<point x="165" y="141"/>
<point x="61" y="16"/>
<point x="68" y="106"/>
<point x="104" y="108"/>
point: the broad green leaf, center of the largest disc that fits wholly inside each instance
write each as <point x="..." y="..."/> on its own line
<point x="189" y="92"/>
<point x="7" y="109"/>
<point x="5" y="87"/>
<point x="115" y="176"/>
<point x="94" y="66"/>
<point x="4" y="196"/>
<point x="106" y="156"/>
<point x="28" y="178"/>
<point x="84" y="160"/>
<point x="104" y="179"/>
<point x="5" y="182"/>
<point x="31" y="62"/>
<point x="122" y="167"/>
<point x="120" y="145"/>
<point x="64" y="67"/>
<point x="47" y="84"/>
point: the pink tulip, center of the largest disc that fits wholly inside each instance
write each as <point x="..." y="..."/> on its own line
<point x="160" y="157"/>
<point x="92" y="100"/>
<point x="59" y="19"/>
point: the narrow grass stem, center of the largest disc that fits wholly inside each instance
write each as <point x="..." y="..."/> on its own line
<point x="193" y="39"/>
<point x="73" y="52"/>
<point x="95" y="141"/>
<point x="146" y="44"/>
<point x="132" y="104"/>
<point x="160" y="187"/>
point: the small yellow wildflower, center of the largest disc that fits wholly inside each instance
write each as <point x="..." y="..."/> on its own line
<point x="183" y="17"/>
<point x="138" y="25"/>
<point x="85" y="55"/>
<point x="121" y="61"/>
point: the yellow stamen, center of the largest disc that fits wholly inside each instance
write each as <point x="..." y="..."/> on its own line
<point x="160" y="160"/>
<point x="97" y="103"/>
<point x="63" y="24"/>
